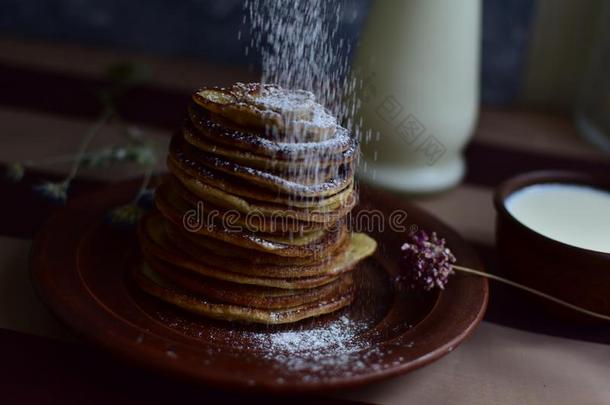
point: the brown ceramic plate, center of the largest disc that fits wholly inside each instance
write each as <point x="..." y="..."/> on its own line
<point x="80" y="268"/>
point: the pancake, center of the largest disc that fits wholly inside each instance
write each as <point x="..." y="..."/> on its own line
<point x="176" y="211"/>
<point x="195" y="220"/>
<point x="218" y="131"/>
<point x="269" y="219"/>
<point x="248" y="295"/>
<point x="155" y="234"/>
<point x="354" y="249"/>
<point x="256" y="263"/>
<point x="229" y="193"/>
<point x="155" y="245"/>
<point x="198" y="245"/>
<point x="269" y="109"/>
<point x="323" y="184"/>
<point x="154" y="285"/>
<point x="322" y="161"/>
<point x="254" y="221"/>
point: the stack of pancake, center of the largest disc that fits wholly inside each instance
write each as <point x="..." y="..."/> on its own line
<point x="251" y="224"/>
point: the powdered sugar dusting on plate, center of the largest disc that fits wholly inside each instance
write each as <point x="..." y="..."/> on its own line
<point x="342" y="348"/>
<point x="336" y="336"/>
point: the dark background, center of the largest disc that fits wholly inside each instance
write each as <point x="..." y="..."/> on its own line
<point x="208" y="29"/>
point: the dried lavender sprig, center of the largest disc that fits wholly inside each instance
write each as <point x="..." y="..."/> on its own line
<point x="145" y="183"/>
<point x="58" y="191"/>
<point x="428" y="260"/>
<point x="125" y="216"/>
<point x="99" y="124"/>
<point x="123" y="77"/>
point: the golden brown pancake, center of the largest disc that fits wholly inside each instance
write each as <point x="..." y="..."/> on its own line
<point x="197" y="245"/>
<point x="270" y="164"/>
<point x="255" y="263"/>
<point x="246" y="198"/>
<point x="200" y="165"/>
<point x="156" y="245"/>
<point x="165" y="243"/>
<point x="176" y="211"/>
<point x="246" y="262"/>
<point x="233" y="221"/>
<point x="269" y="109"/>
<point x="205" y="127"/>
<point x="193" y="218"/>
<point x="303" y="181"/>
<point x="269" y="219"/>
<point x="249" y="295"/>
<point x="252" y="222"/>
<point x="154" y="285"/>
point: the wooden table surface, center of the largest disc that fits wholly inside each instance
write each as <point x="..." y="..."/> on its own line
<point x="518" y="355"/>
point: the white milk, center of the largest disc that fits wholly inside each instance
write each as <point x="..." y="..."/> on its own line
<point x="572" y="214"/>
<point x="419" y="61"/>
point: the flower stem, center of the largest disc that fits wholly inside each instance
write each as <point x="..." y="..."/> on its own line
<point x="145" y="181"/>
<point x="533" y="291"/>
<point x="85" y="143"/>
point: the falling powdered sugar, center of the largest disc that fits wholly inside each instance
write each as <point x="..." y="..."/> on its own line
<point x="301" y="47"/>
<point x="302" y="50"/>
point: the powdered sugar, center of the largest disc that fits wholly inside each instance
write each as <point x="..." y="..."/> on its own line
<point x="328" y="352"/>
<point x="336" y="336"/>
<point x="320" y="118"/>
<point x="302" y="48"/>
<point x="284" y="101"/>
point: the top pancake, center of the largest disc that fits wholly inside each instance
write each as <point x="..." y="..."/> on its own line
<point x="277" y="112"/>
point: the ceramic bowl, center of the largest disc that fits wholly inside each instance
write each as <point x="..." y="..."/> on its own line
<point x="576" y="275"/>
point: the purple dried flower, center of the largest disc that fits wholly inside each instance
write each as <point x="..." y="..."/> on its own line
<point x="426" y="262"/>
